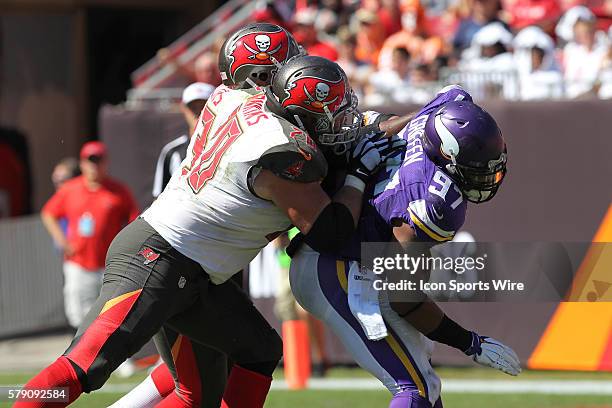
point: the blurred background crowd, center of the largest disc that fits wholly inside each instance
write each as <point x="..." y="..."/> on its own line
<point x="401" y="51"/>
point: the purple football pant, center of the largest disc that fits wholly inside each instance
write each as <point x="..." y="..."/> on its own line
<point x="400" y="360"/>
<point x="412" y="399"/>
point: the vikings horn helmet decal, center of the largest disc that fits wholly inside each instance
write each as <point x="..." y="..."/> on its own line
<point x="254" y="52"/>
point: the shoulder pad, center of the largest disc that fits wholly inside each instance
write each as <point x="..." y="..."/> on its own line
<point x="298" y="160"/>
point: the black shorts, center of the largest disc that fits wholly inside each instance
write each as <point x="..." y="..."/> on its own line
<point x="148" y="284"/>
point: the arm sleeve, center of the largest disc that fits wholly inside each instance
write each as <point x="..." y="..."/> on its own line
<point x="332" y="230"/>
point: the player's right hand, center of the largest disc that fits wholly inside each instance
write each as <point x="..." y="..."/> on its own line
<point x="370" y="154"/>
<point x="492" y="353"/>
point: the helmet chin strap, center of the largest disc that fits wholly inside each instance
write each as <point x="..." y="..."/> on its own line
<point x="275" y="61"/>
<point x="251" y="82"/>
<point x="329" y="116"/>
<point x="299" y="122"/>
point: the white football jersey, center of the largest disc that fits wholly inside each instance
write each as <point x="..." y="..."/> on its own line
<point x="208" y="211"/>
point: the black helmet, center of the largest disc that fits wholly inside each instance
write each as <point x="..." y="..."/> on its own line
<point x="314" y="93"/>
<point x="253" y="53"/>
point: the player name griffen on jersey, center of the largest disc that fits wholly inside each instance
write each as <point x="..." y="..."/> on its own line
<point x="411" y="189"/>
<point x="209" y="212"/>
<point x="418" y="192"/>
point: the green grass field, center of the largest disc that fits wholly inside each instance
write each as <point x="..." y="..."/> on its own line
<point x="375" y="398"/>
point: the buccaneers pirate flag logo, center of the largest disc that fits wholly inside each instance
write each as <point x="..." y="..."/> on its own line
<point x="314" y="94"/>
<point x="258" y="49"/>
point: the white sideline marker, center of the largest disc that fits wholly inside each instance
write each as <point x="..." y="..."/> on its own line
<point x="450" y="386"/>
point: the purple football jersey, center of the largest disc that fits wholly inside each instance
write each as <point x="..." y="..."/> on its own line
<point x="412" y="189"/>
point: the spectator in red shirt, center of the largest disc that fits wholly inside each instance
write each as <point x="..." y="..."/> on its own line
<point x="97" y="208"/>
<point x="543" y="13"/>
<point x="306" y="35"/>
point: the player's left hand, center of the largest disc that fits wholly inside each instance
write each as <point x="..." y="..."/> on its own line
<point x="489" y="352"/>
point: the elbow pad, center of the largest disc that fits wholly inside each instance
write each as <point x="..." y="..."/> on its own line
<point x="331" y="230"/>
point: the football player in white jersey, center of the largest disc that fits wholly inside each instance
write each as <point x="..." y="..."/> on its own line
<point x="252" y="171"/>
<point x="239" y="75"/>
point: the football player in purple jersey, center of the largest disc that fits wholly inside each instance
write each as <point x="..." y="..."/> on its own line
<point x="455" y="154"/>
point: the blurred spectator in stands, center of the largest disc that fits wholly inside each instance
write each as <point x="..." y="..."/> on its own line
<point x="391" y="84"/>
<point x="412" y="37"/>
<point x="489" y="65"/>
<point x="343" y="9"/>
<point x="174" y="152"/>
<point x="482" y="12"/>
<point x="583" y="58"/>
<point x="539" y="74"/>
<point x="64" y="170"/>
<point x="306" y="35"/>
<point x="275" y="12"/>
<point x="442" y="16"/>
<point x="388" y="14"/>
<point x="370" y="36"/>
<point x="523" y="13"/>
<point x="421" y="77"/>
<point x="96" y="207"/>
<point x="602" y="9"/>
<point x="490" y="49"/>
<point x="204" y="68"/>
<point x="347" y="42"/>
<point x="357" y="72"/>
<point x="565" y="27"/>
<point x="605" y="75"/>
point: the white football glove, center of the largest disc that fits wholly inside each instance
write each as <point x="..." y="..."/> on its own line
<point x="489" y="352"/>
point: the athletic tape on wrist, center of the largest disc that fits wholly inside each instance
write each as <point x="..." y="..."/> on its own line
<point x="355" y="182"/>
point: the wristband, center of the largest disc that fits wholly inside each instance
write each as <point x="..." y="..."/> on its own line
<point x="355" y="182"/>
<point x="450" y="333"/>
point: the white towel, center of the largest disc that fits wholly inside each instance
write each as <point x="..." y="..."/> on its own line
<point x="363" y="301"/>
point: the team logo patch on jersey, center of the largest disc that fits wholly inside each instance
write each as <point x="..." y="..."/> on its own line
<point x="149" y="255"/>
<point x="314" y="94"/>
<point x="257" y="49"/>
